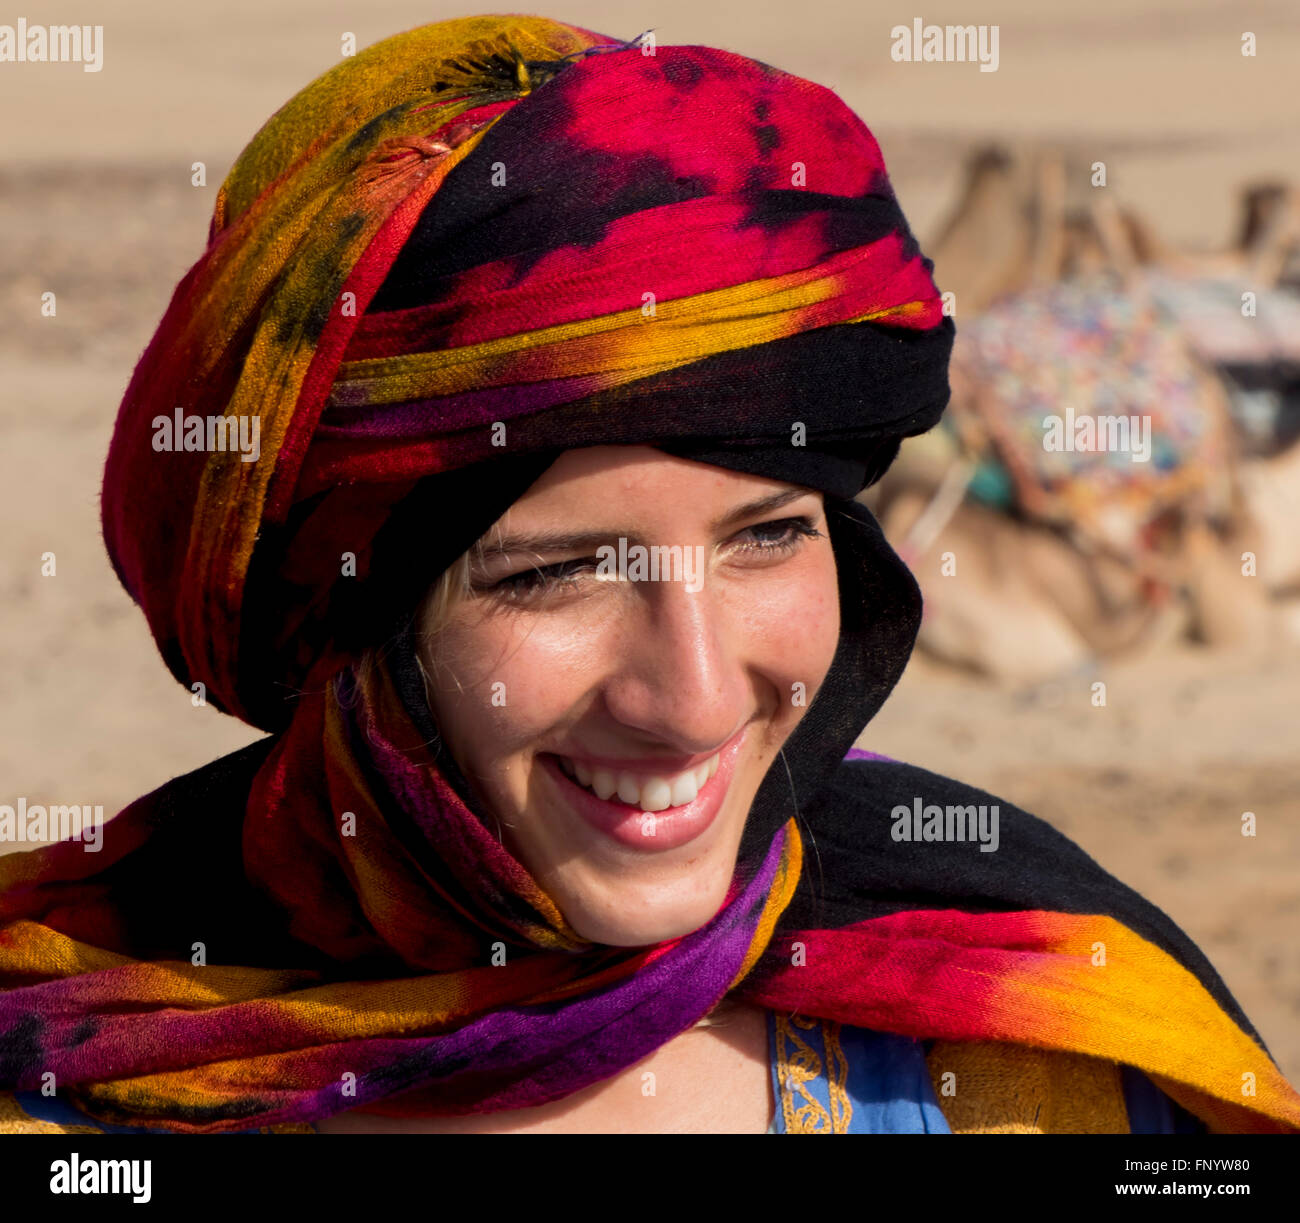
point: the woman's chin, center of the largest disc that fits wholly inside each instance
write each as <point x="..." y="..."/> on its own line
<point x="627" y="897"/>
<point x="641" y="919"/>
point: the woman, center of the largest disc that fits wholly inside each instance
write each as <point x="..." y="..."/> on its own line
<point x="566" y="363"/>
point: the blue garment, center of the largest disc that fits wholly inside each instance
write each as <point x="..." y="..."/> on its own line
<point x="884" y="1077"/>
<point x="1150" y="1111"/>
<point x="886" y="1082"/>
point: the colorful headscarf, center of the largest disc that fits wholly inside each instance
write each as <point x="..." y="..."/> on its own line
<point x="409" y="273"/>
<point x="507" y="221"/>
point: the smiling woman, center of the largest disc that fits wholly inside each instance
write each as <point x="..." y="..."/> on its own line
<point x="634" y="720"/>
<point x="533" y="843"/>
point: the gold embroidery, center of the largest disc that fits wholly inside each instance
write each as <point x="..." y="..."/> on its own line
<point x="837" y="1072"/>
<point x="797" y="1068"/>
<point x="793" y="1073"/>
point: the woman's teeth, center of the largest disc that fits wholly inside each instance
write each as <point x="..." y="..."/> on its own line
<point x="650" y="793"/>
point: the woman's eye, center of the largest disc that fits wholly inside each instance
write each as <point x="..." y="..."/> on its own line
<point x="783" y="535"/>
<point x="775" y="538"/>
<point x="528" y="582"/>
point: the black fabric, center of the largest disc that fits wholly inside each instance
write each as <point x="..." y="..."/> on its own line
<point x="190" y="867"/>
<point x="437" y="522"/>
<point x="854" y="388"/>
<point x="861" y="872"/>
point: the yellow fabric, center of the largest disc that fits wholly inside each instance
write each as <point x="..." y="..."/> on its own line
<point x="999" y="1088"/>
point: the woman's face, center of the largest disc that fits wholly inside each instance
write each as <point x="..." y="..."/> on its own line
<point x="619" y="729"/>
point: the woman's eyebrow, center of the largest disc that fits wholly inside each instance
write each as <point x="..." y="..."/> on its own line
<point x="578" y="541"/>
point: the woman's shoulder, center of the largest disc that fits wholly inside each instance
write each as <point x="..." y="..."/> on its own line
<point x="893" y="836"/>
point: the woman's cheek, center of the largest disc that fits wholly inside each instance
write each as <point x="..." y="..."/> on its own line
<point x="529" y="678"/>
<point x="795" y="627"/>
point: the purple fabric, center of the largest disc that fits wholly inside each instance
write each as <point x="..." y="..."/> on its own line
<point x="859" y="753"/>
<point x="350" y="415"/>
<point x="564" y="1045"/>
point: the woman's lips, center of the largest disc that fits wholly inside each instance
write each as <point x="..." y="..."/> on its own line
<point x="650" y="831"/>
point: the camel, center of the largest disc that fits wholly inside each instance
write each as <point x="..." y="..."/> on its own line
<point x="1023" y="603"/>
<point x="1023" y="218"/>
<point x="1026" y="599"/>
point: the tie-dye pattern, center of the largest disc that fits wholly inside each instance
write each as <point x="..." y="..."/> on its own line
<point x="690" y="169"/>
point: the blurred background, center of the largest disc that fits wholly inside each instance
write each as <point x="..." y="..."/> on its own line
<point x="1164" y="291"/>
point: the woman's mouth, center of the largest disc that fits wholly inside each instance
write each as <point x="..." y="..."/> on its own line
<point x="654" y="793"/>
<point x="647" y="811"/>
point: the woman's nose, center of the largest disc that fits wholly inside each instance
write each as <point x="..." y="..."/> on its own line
<point x="681" y="675"/>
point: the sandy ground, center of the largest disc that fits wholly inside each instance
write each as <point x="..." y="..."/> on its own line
<point x="96" y="205"/>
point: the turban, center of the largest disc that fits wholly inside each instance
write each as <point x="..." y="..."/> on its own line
<point x="409" y="274"/>
<point x="448" y="260"/>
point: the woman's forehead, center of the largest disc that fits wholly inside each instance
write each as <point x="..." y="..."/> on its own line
<point x="604" y="469"/>
<point x="579" y="515"/>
